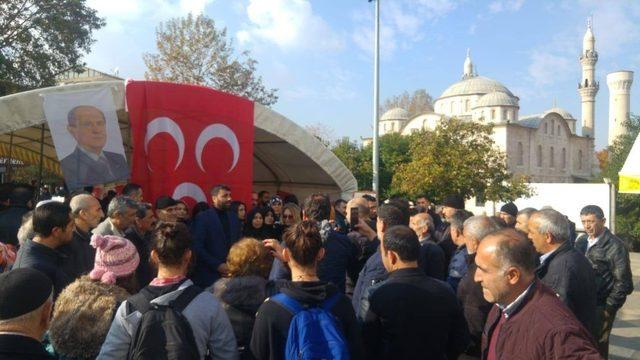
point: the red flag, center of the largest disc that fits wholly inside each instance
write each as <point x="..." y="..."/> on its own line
<point x="186" y="139"/>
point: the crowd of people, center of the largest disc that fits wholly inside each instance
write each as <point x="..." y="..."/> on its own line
<point x="119" y="278"/>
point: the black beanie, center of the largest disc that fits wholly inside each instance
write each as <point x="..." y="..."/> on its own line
<point x="509" y="208"/>
<point x="164" y="202"/>
<point x="22" y="291"/>
<point x="454" y="201"/>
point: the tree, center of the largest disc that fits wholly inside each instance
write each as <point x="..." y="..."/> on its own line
<point x="322" y="132"/>
<point x="40" y="39"/>
<point x="394" y="151"/>
<point x="192" y="51"/>
<point x="417" y="103"/>
<point x="627" y="205"/>
<point x="457" y="157"/>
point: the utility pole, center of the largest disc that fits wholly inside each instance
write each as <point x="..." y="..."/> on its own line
<point x="376" y="100"/>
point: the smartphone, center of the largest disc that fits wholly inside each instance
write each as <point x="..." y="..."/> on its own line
<point x="353" y="217"/>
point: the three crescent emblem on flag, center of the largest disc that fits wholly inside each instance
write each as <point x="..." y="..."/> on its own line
<point x="213" y="131"/>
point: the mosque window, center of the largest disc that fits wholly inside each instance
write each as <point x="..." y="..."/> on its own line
<point x="552" y="162"/>
<point x="520" y="154"/>
<point x="564" y="158"/>
<point x="466" y="105"/>
<point x="539" y="156"/>
<point x="504" y="114"/>
<point x="559" y="130"/>
<point x="493" y="114"/>
<point x="553" y="126"/>
<point x="580" y="160"/>
<point x="546" y="128"/>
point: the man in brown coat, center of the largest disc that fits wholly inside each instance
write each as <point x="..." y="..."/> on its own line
<point x="528" y="321"/>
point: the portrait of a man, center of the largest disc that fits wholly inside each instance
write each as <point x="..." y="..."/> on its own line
<point x="89" y="163"/>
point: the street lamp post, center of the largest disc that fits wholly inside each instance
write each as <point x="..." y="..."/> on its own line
<point x="376" y="100"/>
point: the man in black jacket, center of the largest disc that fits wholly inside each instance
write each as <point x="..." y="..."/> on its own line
<point x="25" y="313"/>
<point x="140" y="236"/>
<point x="451" y="204"/>
<point x="431" y="259"/>
<point x="562" y="267"/>
<point x="412" y="316"/>
<point x="475" y="306"/>
<point x="54" y="227"/>
<point x="20" y="202"/>
<point x="609" y="259"/>
<point x="87" y="214"/>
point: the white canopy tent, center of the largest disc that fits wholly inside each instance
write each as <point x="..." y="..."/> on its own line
<point x="286" y="157"/>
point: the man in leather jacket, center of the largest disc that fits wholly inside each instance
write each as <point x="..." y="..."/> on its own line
<point x="610" y="261"/>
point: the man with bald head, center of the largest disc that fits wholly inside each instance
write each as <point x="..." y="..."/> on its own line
<point x="89" y="164"/>
<point x="431" y="259"/>
<point x="476" y="308"/>
<point x="528" y="321"/>
<point x="87" y="214"/>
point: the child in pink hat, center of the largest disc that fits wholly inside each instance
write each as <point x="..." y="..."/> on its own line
<point x="116" y="261"/>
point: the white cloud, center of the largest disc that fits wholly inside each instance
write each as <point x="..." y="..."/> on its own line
<point x="615" y="25"/>
<point x="290" y="24"/>
<point x="120" y="13"/>
<point x="498" y="6"/>
<point x="402" y="23"/>
<point x="547" y="68"/>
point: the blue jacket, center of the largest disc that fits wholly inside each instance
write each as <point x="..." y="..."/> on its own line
<point x="457" y="267"/>
<point x="373" y="272"/>
<point x="211" y="245"/>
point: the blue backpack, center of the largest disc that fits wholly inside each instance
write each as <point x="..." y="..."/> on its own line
<point x="314" y="333"/>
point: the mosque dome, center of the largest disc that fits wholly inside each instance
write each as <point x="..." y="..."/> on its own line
<point x="497" y="98"/>
<point x="560" y="111"/>
<point x="475" y="85"/>
<point x="395" y="114"/>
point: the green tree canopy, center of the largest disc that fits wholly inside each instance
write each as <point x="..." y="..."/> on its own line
<point x="40" y="39"/>
<point x="457" y="157"/>
<point x="192" y="51"/>
<point x="627" y="205"/>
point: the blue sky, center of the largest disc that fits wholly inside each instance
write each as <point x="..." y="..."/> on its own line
<point x="318" y="53"/>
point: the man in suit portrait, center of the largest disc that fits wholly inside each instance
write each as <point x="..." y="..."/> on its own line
<point x="89" y="164"/>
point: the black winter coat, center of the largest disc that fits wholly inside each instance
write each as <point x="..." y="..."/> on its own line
<point x="413" y="316"/>
<point x="80" y="255"/>
<point x="272" y="320"/>
<point x="145" y="272"/>
<point x="569" y="274"/>
<point x="475" y="307"/>
<point x="431" y="259"/>
<point x="241" y="297"/>
<point x="45" y="259"/>
<point x="17" y="347"/>
<point x="609" y="259"/>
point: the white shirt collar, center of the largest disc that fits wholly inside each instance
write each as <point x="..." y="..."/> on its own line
<point x="515" y="304"/>
<point x="593" y="241"/>
<point x="544" y="257"/>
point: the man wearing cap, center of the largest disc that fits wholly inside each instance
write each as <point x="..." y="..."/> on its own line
<point x="508" y="213"/>
<point x="166" y="209"/>
<point x="24" y="322"/>
<point x="53" y="226"/>
<point x="451" y="204"/>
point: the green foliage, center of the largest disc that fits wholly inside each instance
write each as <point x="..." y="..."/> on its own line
<point x="457" y="157"/>
<point x="40" y="39"/>
<point x="30" y="172"/>
<point x="627" y="205"/>
<point x="192" y="51"/>
<point x="394" y="151"/>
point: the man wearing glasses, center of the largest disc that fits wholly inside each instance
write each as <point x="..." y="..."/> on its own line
<point x="89" y="164"/>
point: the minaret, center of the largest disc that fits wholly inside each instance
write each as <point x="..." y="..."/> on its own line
<point x="468" y="67"/>
<point x="619" y="84"/>
<point x="588" y="86"/>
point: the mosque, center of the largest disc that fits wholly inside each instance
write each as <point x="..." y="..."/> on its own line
<point x="544" y="147"/>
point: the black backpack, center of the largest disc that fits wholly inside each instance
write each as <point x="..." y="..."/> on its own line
<point x="163" y="333"/>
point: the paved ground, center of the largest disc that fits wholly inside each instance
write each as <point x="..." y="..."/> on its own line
<point x="625" y="337"/>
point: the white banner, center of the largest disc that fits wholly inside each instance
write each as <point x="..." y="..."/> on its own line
<point x="86" y="135"/>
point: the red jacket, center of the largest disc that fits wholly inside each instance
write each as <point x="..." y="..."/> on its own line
<point x="542" y="327"/>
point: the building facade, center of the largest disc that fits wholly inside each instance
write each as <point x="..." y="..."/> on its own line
<point x="544" y="147"/>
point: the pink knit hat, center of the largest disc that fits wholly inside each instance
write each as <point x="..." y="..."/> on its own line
<point x="115" y="257"/>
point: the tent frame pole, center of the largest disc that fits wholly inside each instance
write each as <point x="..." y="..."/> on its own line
<point x="41" y="159"/>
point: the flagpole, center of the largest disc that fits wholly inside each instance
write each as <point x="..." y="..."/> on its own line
<point x="376" y="100"/>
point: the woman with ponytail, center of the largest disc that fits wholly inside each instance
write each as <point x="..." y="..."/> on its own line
<point x="304" y="249"/>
